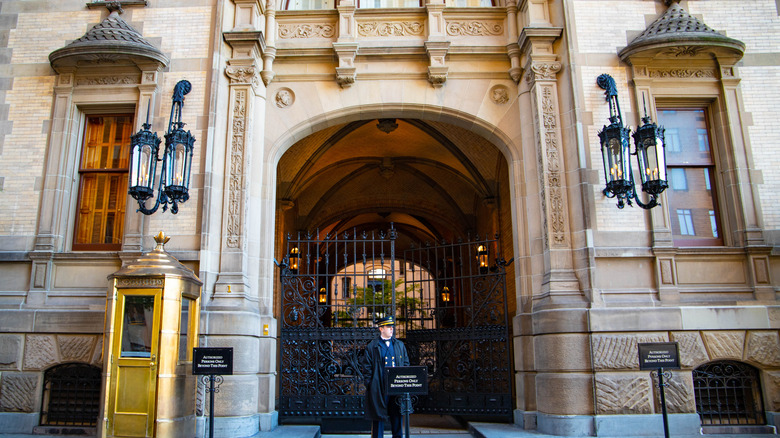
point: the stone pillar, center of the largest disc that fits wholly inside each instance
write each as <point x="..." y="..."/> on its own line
<point x="436" y="45"/>
<point x="560" y="287"/>
<point x="346" y="46"/>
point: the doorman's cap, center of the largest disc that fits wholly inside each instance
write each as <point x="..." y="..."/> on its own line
<point x="387" y="320"/>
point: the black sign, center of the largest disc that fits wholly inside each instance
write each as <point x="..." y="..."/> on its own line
<point x="217" y="361"/>
<point x="659" y="355"/>
<point x="411" y="380"/>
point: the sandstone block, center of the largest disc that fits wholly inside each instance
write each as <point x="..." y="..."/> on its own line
<point x="76" y="348"/>
<point x="678" y="392"/>
<point x="562" y="352"/>
<point x="724" y="345"/>
<point x="620" y="351"/>
<point x="40" y="351"/>
<point x="10" y="351"/>
<point x="772" y="391"/>
<point x="18" y="392"/>
<point x="691" y="348"/>
<point x="764" y="347"/>
<point x="564" y="394"/>
<point x="623" y="393"/>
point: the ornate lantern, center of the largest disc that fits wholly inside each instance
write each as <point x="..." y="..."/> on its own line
<point x="616" y="151"/>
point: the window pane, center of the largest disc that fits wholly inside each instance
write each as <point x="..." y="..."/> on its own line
<point x="389" y="3"/>
<point x="103" y="189"/>
<point x="677" y="179"/>
<point x="184" y="326"/>
<point x="468" y="3"/>
<point x="137" y="326"/>
<point x="300" y="5"/>
<point x="692" y="206"/>
<point x="686" y="136"/>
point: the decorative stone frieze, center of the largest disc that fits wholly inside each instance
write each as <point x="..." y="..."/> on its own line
<point x="107" y="80"/>
<point x="242" y="74"/>
<point x="18" y="392"/>
<point x="140" y="282"/>
<point x="40" y="351"/>
<point x="764" y="348"/>
<point x="475" y="28"/>
<point x="691" y="348"/>
<point x="76" y="348"/>
<point x="681" y="73"/>
<point x="10" y="351"/>
<point x="620" y="351"/>
<point x="390" y="28"/>
<point x="289" y="31"/>
<point x="724" y="345"/>
<point x="623" y="393"/>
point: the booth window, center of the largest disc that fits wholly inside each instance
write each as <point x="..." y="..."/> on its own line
<point x="728" y="393"/>
<point x="71" y="395"/>
<point x="103" y="182"/>
<point x="692" y="195"/>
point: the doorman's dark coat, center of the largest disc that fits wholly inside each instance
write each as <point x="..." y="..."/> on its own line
<point x="375" y="379"/>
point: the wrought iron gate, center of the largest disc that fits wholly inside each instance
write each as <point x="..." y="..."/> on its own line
<point x="450" y="304"/>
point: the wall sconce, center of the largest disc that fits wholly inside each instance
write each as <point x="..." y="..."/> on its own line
<point x="446" y="296"/>
<point x="616" y="151"/>
<point x="323" y="296"/>
<point x="174" y="184"/>
<point x="482" y="259"/>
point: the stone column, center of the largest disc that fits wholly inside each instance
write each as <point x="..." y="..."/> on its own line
<point x="560" y="287"/>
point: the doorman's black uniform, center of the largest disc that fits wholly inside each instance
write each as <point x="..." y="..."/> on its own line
<point x="379" y="406"/>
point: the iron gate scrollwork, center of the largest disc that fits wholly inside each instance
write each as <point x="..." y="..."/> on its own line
<point x="450" y="304"/>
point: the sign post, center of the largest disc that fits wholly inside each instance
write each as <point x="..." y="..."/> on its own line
<point x="407" y="381"/>
<point x="214" y="363"/>
<point x="657" y="356"/>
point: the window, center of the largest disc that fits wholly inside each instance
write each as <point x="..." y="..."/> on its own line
<point x="71" y="395"/>
<point x="103" y="182"/>
<point x="728" y="393"/>
<point x="691" y="197"/>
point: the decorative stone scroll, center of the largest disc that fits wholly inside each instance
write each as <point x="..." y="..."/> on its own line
<point x="543" y="71"/>
<point x="390" y="28"/>
<point x="684" y="51"/>
<point x="236" y="175"/>
<point x="475" y="28"/>
<point x="550" y="121"/>
<point x="288" y="31"/>
<point x="242" y="74"/>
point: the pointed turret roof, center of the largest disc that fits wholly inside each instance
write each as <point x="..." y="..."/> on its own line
<point x="111" y="38"/>
<point x="676" y="28"/>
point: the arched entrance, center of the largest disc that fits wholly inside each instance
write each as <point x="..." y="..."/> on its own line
<point x="394" y="215"/>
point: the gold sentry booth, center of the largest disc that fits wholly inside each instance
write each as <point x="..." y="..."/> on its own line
<point x="152" y="312"/>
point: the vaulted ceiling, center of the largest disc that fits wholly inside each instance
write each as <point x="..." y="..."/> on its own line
<point x="429" y="178"/>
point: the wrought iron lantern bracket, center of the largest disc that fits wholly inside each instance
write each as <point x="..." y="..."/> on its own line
<point x="174" y="182"/>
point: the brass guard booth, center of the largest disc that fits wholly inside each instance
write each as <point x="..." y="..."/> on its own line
<point x="152" y="318"/>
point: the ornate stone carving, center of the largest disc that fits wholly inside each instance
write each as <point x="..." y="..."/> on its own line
<point x="40" y="351"/>
<point x="554" y="183"/>
<point x="144" y="282"/>
<point x="284" y="98"/>
<point x="620" y="351"/>
<point x="107" y="80"/>
<point x="345" y="80"/>
<point x="18" y="392"/>
<point x="684" y="51"/>
<point x="76" y="348"/>
<point x="499" y="94"/>
<point x="764" y="348"/>
<point x="623" y="394"/>
<point x="724" y="345"/>
<point x="543" y="71"/>
<point x="475" y="28"/>
<point x="691" y="347"/>
<point x="241" y="74"/>
<point x="681" y="73"/>
<point x="288" y="31"/>
<point x="236" y="175"/>
<point x="390" y="28"/>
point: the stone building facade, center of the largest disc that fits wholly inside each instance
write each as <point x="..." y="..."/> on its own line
<point x="444" y="118"/>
